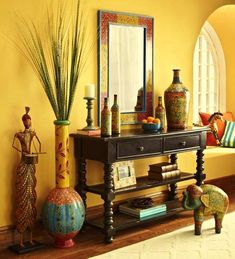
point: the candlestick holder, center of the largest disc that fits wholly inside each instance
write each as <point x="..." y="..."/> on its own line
<point x="89" y="119"/>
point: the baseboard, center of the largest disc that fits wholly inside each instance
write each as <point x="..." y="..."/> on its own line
<point x="9" y="235"/>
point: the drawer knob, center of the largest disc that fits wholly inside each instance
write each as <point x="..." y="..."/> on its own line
<point x="183" y="143"/>
<point x="141" y="148"/>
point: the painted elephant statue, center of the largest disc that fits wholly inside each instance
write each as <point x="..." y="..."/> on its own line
<point x="206" y="200"/>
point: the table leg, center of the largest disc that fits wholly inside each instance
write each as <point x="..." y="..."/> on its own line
<point x="173" y="158"/>
<point x="81" y="186"/>
<point x="172" y="193"/>
<point x="108" y="196"/>
<point x="200" y="176"/>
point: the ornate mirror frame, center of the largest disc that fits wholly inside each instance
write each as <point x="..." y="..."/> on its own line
<point x="105" y="19"/>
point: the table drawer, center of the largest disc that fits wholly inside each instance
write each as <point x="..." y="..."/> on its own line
<point x="137" y="148"/>
<point x="182" y="142"/>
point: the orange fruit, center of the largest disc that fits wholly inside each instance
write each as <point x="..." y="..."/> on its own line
<point x="144" y="121"/>
<point x="150" y="119"/>
<point x="156" y="120"/>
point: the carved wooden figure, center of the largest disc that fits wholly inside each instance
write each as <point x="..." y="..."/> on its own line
<point x="213" y="126"/>
<point x="25" y="178"/>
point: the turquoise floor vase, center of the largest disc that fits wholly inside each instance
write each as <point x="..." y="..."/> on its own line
<point x="63" y="215"/>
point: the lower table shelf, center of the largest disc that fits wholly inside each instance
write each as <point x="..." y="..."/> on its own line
<point x="122" y="221"/>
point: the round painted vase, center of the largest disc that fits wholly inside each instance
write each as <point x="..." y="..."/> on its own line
<point x="176" y="98"/>
<point x="63" y="212"/>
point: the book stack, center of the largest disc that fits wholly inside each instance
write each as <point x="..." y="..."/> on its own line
<point x="143" y="214"/>
<point x="163" y="171"/>
<point x="95" y="132"/>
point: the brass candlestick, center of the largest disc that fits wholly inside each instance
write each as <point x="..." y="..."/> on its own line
<point x="89" y="119"/>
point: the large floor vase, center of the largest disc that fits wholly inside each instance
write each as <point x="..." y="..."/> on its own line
<point x="63" y="212"/>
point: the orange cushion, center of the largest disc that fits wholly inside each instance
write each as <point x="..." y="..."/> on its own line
<point x="211" y="141"/>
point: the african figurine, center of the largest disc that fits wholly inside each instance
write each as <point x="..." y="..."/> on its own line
<point x="213" y="126"/>
<point x="25" y="178"/>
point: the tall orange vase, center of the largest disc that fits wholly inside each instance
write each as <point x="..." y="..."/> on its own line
<point x="63" y="211"/>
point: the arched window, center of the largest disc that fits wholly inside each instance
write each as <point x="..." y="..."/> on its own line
<point x="209" y="79"/>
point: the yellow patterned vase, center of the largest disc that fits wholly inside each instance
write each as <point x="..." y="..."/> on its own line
<point x="63" y="212"/>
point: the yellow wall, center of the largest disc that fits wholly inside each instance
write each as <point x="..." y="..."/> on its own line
<point x="226" y="31"/>
<point x="177" y="24"/>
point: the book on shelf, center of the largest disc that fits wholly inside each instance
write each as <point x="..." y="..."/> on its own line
<point x="142" y="213"/>
<point x="164" y="176"/>
<point x="95" y="132"/>
<point x="163" y="167"/>
<point x="153" y="215"/>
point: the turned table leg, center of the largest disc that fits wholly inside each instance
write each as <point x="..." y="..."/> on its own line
<point x="172" y="194"/>
<point x="108" y="196"/>
<point x="200" y="176"/>
<point x="81" y="186"/>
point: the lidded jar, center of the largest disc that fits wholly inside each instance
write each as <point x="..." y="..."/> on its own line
<point x="176" y="98"/>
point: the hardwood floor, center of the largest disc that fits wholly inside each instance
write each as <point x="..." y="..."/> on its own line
<point x="90" y="242"/>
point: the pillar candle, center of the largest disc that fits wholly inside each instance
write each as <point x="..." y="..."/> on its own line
<point x="89" y="91"/>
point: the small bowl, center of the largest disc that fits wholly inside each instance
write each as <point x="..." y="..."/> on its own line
<point x="151" y="127"/>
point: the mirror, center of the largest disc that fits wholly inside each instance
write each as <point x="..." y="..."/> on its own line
<point x="125" y="61"/>
<point x="126" y="67"/>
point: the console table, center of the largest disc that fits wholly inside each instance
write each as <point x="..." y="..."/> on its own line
<point x="132" y="145"/>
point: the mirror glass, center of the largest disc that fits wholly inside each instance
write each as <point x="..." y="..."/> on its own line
<point x="126" y="66"/>
<point x="125" y="62"/>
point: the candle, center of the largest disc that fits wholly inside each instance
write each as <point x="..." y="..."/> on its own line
<point x="89" y="91"/>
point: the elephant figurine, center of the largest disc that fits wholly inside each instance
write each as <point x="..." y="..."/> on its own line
<point x="206" y="200"/>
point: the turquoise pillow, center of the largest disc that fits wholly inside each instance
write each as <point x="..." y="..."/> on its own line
<point x="228" y="139"/>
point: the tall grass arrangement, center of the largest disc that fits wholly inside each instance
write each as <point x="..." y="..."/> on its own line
<point x="58" y="52"/>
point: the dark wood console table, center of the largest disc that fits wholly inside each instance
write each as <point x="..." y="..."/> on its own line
<point x="130" y="145"/>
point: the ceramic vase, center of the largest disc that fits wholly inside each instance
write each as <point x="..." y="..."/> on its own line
<point x="176" y="98"/>
<point x="106" y="119"/>
<point x="116" y="120"/>
<point x="160" y="112"/>
<point x="63" y="212"/>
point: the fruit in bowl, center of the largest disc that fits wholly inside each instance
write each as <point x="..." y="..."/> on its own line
<point x="151" y="124"/>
